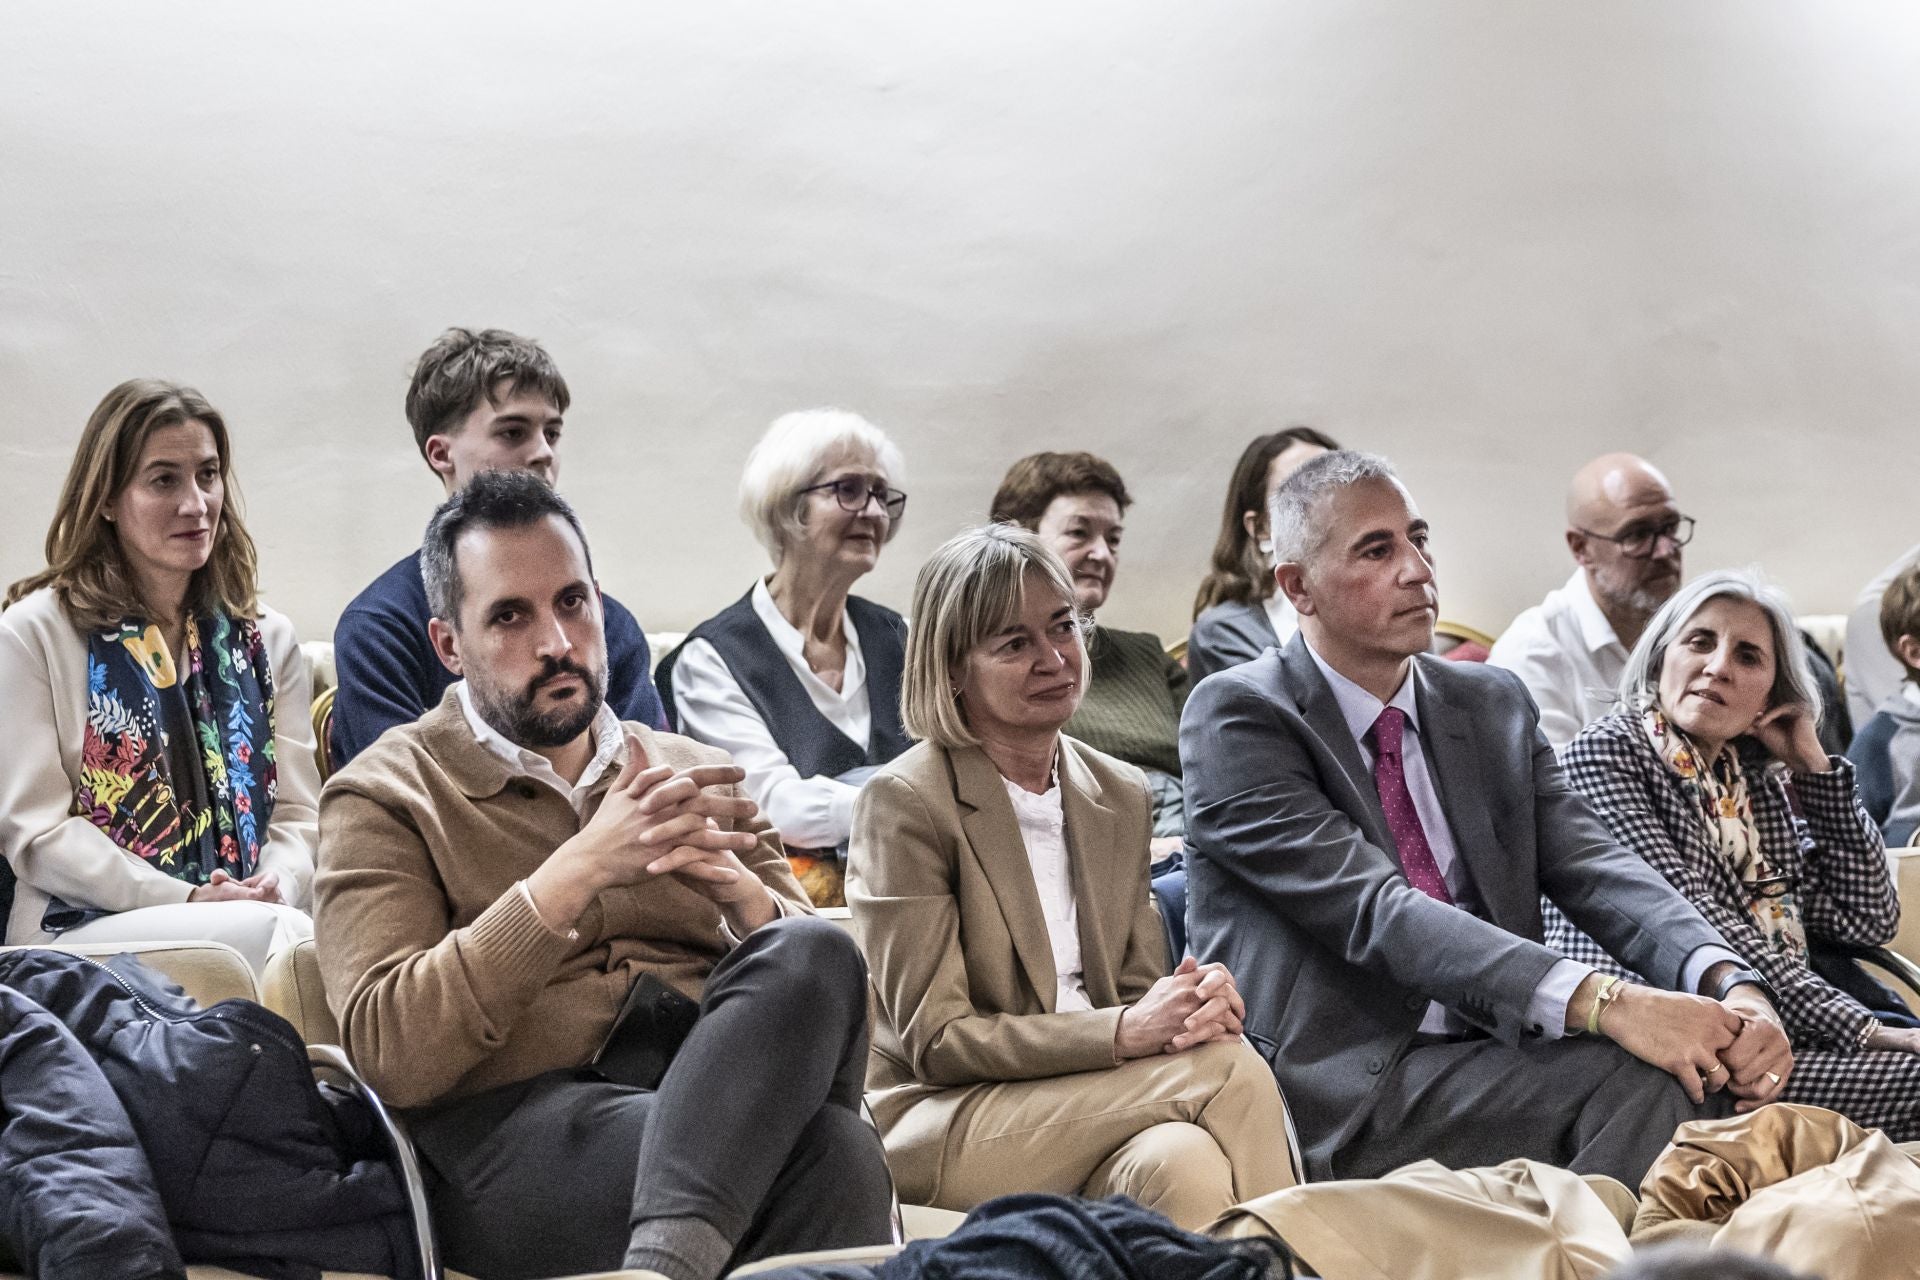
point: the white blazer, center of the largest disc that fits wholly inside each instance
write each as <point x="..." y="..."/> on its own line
<point x="43" y="717"/>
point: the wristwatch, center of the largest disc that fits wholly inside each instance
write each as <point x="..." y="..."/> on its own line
<point x="1741" y="977"/>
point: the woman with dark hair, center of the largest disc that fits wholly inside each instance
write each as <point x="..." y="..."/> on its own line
<point x="1238" y="615"/>
<point x="1712" y="770"/>
<point x="160" y="782"/>
<point x="1131" y="705"/>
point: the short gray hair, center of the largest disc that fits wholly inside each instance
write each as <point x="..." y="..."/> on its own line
<point x="972" y="588"/>
<point x="1792" y="674"/>
<point x="1296" y="517"/>
<point x="796" y="451"/>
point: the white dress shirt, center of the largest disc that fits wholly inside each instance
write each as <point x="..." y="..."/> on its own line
<point x="608" y="741"/>
<point x="1566" y="653"/>
<point x="1547" y="1012"/>
<point x="1043" y="828"/>
<point x="1873" y="673"/>
<point x="1281" y="615"/>
<point x="809" y="813"/>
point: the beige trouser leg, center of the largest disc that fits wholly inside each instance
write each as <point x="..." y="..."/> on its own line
<point x="1187" y="1135"/>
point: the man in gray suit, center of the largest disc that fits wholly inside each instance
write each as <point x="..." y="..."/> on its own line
<point x="1371" y="830"/>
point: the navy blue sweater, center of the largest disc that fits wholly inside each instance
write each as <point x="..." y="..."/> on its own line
<point x="389" y="673"/>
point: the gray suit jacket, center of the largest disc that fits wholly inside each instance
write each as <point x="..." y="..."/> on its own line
<point x="1292" y="881"/>
<point x="1226" y="635"/>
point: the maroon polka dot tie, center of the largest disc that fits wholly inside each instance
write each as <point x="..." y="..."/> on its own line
<point x="1403" y="820"/>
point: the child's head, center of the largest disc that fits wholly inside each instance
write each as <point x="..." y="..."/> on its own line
<point x="1900" y="619"/>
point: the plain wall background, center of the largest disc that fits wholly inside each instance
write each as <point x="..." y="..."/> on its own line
<point x="1489" y="239"/>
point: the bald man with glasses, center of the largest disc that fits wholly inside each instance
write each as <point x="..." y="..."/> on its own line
<point x="1626" y="535"/>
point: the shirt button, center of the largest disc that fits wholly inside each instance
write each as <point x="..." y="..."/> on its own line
<point x="1375" y="1066"/>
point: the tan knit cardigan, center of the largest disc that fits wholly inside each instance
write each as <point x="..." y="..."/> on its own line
<point x="443" y="979"/>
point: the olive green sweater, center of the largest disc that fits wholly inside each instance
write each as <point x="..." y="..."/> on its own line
<point x="1133" y="703"/>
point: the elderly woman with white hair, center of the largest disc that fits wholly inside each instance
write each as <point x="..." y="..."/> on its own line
<point x="799" y="679"/>
<point x="1028" y="1035"/>
<point x="1708" y="771"/>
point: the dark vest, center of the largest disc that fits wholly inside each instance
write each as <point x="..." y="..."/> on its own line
<point x="813" y="744"/>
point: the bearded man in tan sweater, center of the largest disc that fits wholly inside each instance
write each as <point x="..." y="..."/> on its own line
<point x="573" y="950"/>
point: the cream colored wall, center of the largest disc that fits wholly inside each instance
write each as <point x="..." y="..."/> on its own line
<point x="1488" y="239"/>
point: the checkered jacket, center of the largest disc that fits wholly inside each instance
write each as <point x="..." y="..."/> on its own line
<point x="1845" y="890"/>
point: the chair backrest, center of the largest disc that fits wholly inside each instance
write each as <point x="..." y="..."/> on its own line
<point x="291" y="987"/>
<point x="323" y="732"/>
<point x="1906" y="879"/>
<point x="209" y="972"/>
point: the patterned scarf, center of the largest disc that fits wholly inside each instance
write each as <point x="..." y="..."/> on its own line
<point x="177" y="766"/>
<point x="1719" y="793"/>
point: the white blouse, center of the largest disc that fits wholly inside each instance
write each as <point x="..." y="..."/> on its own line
<point x="809" y="813"/>
<point x="1043" y="828"/>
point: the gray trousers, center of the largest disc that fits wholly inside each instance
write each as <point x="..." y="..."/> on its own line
<point x="1582" y="1103"/>
<point x="756" y="1129"/>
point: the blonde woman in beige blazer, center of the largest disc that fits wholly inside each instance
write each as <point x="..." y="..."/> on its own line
<point x="1029" y="1035"/>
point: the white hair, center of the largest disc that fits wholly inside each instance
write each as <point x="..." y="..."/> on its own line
<point x="1295" y="517"/>
<point x="1792" y="673"/>
<point x="797" y="450"/>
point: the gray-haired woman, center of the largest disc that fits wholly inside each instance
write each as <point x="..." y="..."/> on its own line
<point x="1702" y="772"/>
<point x="799" y="680"/>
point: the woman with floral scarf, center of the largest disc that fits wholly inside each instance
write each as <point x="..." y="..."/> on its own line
<point x="158" y="780"/>
<point x="1714" y="773"/>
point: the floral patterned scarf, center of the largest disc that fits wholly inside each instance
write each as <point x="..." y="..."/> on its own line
<point x="1719" y="792"/>
<point x="177" y="765"/>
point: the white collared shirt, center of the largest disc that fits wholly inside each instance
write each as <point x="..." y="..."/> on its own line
<point x="1569" y="657"/>
<point x="1043" y="829"/>
<point x="1547" y="1011"/>
<point x="1281" y="616"/>
<point x="809" y="813"/>
<point x="608" y="738"/>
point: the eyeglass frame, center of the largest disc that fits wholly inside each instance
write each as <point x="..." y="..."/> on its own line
<point x="1672" y="531"/>
<point x="894" y="504"/>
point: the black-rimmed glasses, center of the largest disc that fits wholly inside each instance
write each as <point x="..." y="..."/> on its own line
<point x="854" y="492"/>
<point x="1637" y="542"/>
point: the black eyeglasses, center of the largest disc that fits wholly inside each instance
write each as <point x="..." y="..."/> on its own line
<point x="854" y="492"/>
<point x="1639" y="541"/>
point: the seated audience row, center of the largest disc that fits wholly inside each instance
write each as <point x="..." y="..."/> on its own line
<point x="574" y="946"/>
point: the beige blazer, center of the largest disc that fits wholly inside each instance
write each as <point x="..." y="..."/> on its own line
<point x="945" y="908"/>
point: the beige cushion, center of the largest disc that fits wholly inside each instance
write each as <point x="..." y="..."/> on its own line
<point x="208" y="971"/>
<point x="291" y="988"/>
<point x="1906" y="878"/>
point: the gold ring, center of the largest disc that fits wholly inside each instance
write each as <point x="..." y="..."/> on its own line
<point x="1771" y="1076"/>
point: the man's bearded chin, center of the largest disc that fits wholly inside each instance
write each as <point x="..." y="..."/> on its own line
<point x="516" y="716"/>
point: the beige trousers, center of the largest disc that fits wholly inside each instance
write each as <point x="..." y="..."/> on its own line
<point x="1188" y="1135"/>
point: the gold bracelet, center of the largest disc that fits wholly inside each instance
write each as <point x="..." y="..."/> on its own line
<point x="1609" y="992"/>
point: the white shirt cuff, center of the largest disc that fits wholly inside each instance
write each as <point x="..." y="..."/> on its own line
<point x="1547" y="1011"/>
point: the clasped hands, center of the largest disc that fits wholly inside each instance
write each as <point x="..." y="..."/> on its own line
<point x="263" y="886"/>
<point x="1735" y="1044"/>
<point x="657" y="821"/>
<point x="1193" y="1005"/>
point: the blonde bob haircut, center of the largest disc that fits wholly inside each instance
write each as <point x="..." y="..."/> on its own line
<point x="970" y="590"/>
<point x="797" y="451"/>
<point x="85" y="565"/>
